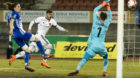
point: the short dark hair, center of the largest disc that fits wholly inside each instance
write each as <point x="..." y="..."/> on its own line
<point x="103" y="15"/>
<point x="49" y="11"/>
<point x="11" y="6"/>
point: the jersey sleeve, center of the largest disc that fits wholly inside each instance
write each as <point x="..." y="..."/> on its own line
<point x="109" y="18"/>
<point x="60" y="28"/>
<point x="95" y="13"/>
<point x="54" y="23"/>
<point x="37" y="20"/>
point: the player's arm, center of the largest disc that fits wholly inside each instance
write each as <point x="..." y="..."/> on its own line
<point x="60" y="28"/>
<point x="109" y="14"/>
<point x="95" y="15"/>
<point x="32" y="23"/>
<point x="11" y="26"/>
<point x="13" y="18"/>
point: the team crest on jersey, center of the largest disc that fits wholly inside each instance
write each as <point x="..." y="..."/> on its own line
<point x="50" y="24"/>
<point x="15" y="16"/>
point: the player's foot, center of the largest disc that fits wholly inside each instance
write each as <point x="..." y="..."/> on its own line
<point x="104" y="74"/>
<point x="12" y="59"/>
<point x="29" y="69"/>
<point x="50" y="56"/>
<point x="43" y="63"/>
<point x="73" y="73"/>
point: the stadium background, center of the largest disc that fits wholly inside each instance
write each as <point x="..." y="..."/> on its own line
<point x="78" y="31"/>
<point x="78" y="28"/>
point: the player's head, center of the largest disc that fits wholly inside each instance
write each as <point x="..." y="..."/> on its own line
<point x="49" y="14"/>
<point x="103" y="16"/>
<point x="14" y="7"/>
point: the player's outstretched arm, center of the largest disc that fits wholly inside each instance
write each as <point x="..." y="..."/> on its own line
<point x="105" y="2"/>
<point x="61" y="28"/>
<point x="37" y="20"/>
<point x="109" y="14"/>
<point x="30" y="26"/>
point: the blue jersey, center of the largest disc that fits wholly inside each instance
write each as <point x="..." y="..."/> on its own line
<point x="99" y="29"/>
<point x="18" y="28"/>
<point x="20" y="36"/>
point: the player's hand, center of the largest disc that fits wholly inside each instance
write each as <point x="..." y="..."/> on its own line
<point x="66" y="30"/>
<point x="11" y="33"/>
<point x="108" y="7"/>
<point x="107" y="1"/>
<point x="30" y="31"/>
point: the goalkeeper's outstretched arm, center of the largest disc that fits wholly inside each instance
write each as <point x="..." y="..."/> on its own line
<point x="109" y="19"/>
<point x="95" y="15"/>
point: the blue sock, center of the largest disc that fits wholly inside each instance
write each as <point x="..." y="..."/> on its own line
<point x="26" y="59"/>
<point x="83" y="61"/>
<point x="105" y="62"/>
<point x="41" y="48"/>
<point x="81" y="64"/>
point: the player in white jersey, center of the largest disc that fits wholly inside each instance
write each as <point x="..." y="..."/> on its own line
<point x="44" y="24"/>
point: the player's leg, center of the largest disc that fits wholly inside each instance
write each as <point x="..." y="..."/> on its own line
<point x="48" y="46"/>
<point x="45" y="42"/>
<point x="38" y="43"/>
<point x="13" y="57"/>
<point x="105" y="64"/>
<point x="25" y="48"/>
<point x="17" y="54"/>
<point x="43" y="63"/>
<point x="31" y="37"/>
<point x="26" y="58"/>
<point x="106" y="61"/>
<point x="86" y="57"/>
<point x="20" y="54"/>
<point x="47" y="52"/>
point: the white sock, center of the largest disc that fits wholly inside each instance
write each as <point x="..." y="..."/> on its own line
<point x="45" y="60"/>
<point x="48" y="51"/>
<point x="21" y="54"/>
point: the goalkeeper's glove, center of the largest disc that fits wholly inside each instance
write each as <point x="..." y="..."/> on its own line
<point x="107" y="1"/>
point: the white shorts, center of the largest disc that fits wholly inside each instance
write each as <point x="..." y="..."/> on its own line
<point x="45" y="43"/>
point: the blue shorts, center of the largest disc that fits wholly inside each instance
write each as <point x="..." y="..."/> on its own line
<point x="96" y="48"/>
<point x="22" y="39"/>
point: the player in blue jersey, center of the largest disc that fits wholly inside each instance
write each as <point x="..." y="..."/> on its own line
<point x="96" y="39"/>
<point x="21" y="36"/>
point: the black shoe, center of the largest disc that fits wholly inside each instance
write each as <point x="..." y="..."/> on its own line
<point x="29" y="69"/>
<point x="73" y="73"/>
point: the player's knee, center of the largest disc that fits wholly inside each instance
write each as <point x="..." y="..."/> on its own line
<point x="49" y="46"/>
<point x="87" y="56"/>
<point x="28" y="50"/>
<point x="36" y="39"/>
<point x="106" y="56"/>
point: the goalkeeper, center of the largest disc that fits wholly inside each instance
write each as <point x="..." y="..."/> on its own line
<point x="96" y="44"/>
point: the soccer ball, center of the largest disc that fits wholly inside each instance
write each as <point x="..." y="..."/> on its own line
<point x="132" y="4"/>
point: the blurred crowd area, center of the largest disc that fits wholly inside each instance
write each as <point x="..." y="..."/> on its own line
<point x="88" y="5"/>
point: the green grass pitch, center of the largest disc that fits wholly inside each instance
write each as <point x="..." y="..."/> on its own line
<point x="60" y="69"/>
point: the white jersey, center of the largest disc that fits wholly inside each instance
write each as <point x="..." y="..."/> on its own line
<point x="44" y="25"/>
